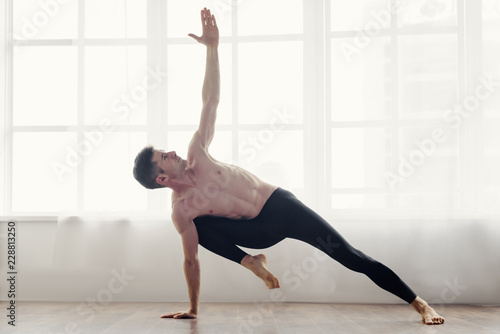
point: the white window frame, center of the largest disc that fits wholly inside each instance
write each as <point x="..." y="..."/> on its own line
<point x="316" y="126"/>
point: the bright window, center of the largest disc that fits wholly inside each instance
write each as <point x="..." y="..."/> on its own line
<point x="365" y="106"/>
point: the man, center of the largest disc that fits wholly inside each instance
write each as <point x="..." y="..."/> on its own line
<point x="220" y="206"/>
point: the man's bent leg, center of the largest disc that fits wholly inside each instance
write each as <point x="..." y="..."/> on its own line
<point x="221" y="236"/>
<point x="215" y="241"/>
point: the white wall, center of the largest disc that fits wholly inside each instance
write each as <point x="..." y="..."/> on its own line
<point x="443" y="261"/>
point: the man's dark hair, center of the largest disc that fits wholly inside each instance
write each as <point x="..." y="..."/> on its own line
<point x="145" y="170"/>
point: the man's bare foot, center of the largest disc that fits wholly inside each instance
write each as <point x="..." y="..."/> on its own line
<point x="429" y="316"/>
<point x="258" y="265"/>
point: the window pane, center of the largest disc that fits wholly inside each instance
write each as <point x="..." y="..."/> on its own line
<point x="270" y="77"/>
<point x="408" y="202"/>
<point x="186" y="70"/>
<point x="34" y="19"/>
<point x="359" y="201"/>
<point x="263" y="17"/>
<point x="115" y="18"/>
<point x="434" y="202"/>
<point x="183" y="17"/>
<point x="276" y="158"/>
<point x="178" y="141"/>
<point x="106" y="92"/>
<point x="426" y="160"/>
<point x="361" y="83"/>
<point x="44" y="172"/>
<point x="491" y="14"/>
<point x="109" y="183"/>
<point x="359" y="157"/>
<point x="358" y="14"/>
<point x="428" y="75"/>
<point x="428" y="13"/>
<point x="45" y="85"/>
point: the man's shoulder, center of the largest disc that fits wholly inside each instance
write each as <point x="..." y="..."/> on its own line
<point x="177" y="203"/>
<point x="180" y="215"/>
<point x="181" y="211"/>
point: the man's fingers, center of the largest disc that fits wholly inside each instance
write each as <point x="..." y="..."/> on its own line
<point x="215" y="22"/>
<point x="184" y="316"/>
<point x="170" y="315"/>
<point x="178" y="315"/>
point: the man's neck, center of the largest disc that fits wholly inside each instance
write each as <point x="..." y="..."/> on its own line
<point x="184" y="181"/>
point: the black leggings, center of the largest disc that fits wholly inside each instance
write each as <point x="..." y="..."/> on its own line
<point x="284" y="216"/>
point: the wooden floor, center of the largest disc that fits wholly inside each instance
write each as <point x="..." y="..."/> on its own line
<point x="244" y="318"/>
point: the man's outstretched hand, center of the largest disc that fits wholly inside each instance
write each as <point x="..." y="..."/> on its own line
<point x="210" y="35"/>
<point x="180" y="315"/>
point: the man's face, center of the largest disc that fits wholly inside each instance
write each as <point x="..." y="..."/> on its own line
<point x="169" y="162"/>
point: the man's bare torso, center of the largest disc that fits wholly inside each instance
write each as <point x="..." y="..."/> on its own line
<point x="220" y="189"/>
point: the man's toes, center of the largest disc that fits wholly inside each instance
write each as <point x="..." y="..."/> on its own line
<point x="433" y="321"/>
<point x="272" y="283"/>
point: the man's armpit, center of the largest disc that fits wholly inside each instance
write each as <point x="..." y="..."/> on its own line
<point x="195" y="146"/>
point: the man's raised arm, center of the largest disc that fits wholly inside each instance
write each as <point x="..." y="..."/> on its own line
<point x="211" y="84"/>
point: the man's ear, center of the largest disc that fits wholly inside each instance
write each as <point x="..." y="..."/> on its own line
<point x="162" y="180"/>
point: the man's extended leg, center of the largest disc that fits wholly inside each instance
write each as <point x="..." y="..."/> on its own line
<point x="290" y="218"/>
<point x="285" y="216"/>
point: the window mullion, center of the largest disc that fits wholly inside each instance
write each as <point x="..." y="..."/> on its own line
<point x="155" y="119"/>
<point x="6" y="141"/>
<point x="235" y="86"/>
<point x="80" y="104"/>
<point x="478" y="119"/>
<point x="162" y="112"/>
<point x="469" y="19"/>
<point x="326" y="186"/>
<point x="394" y="129"/>
<point x="314" y="103"/>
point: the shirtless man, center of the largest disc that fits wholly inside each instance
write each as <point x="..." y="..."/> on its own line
<point x="220" y="206"/>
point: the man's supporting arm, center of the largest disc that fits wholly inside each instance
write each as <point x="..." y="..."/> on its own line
<point x="211" y="83"/>
<point x="189" y="235"/>
<point x="192" y="266"/>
